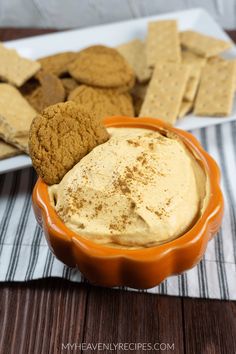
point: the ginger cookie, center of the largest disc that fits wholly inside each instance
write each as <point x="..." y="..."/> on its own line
<point x="60" y="136"/>
<point x="103" y="67"/>
<point x="69" y="84"/>
<point x="125" y="88"/>
<point x="103" y="102"/>
<point x="43" y="91"/>
<point x="57" y="64"/>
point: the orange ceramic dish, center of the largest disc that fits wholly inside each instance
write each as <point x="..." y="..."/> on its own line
<point x="140" y="268"/>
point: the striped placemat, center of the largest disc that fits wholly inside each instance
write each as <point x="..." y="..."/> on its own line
<point x="24" y="254"/>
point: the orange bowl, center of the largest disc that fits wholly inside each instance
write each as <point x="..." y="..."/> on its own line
<point x="137" y="268"/>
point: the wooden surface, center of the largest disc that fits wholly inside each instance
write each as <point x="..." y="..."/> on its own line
<point x="45" y="316"/>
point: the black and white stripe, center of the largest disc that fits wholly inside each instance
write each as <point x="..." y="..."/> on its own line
<point x="24" y="254"/>
<point x="24" y="214"/>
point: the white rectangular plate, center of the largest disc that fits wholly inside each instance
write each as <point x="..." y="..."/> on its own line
<point x="113" y="35"/>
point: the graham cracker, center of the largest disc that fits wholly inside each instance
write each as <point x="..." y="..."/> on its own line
<point x="7" y="150"/>
<point x="14" y="68"/>
<point x="215" y="59"/>
<point x="16" y="116"/>
<point x="165" y="91"/>
<point x="216" y="90"/>
<point x="191" y="87"/>
<point x="163" y="42"/>
<point x="196" y="64"/>
<point x="203" y="45"/>
<point x="189" y="57"/>
<point x="218" y="59"/>
<point x="185" y="108"/>
<point x="135" y="54"/>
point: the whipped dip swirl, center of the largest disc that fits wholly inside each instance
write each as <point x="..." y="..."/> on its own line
<point x="139" y="189"/>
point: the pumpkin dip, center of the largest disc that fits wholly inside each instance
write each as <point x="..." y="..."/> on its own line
<point x="139" y="189"/>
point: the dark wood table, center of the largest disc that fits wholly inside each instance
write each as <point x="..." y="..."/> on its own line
<point x="44" y="316"/>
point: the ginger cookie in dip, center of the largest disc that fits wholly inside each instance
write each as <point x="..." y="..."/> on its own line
<point x="60" y="137"/>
